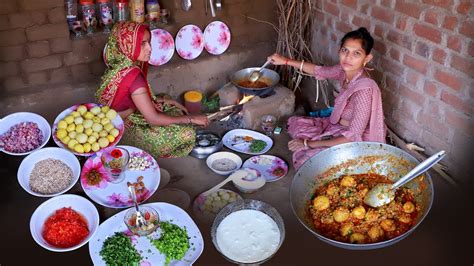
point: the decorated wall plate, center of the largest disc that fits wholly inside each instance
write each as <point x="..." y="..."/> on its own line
<point x="189" y="42"/>
<point x="216" y="37"/>
<point x="162" y="47"/>
<point x="104" y="55"/>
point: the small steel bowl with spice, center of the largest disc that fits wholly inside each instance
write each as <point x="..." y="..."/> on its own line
<point x="207" y="143"/>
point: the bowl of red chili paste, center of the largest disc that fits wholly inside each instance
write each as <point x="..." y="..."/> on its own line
<point x="64" y="223"/>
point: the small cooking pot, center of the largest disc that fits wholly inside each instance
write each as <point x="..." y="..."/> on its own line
<point x="269" y="77"/>
<point x="207" y="143"/>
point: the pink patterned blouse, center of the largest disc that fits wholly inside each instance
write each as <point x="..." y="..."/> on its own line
<point x="360" y="103"/>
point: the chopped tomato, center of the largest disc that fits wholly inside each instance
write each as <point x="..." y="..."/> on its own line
<point x="65" y="228"/>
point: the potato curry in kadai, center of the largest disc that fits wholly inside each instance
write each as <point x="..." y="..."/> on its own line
<point x="338" y="211"/>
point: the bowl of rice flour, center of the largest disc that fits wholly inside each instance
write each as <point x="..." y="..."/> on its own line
<point x="224" y="163"/>
<point x="49" y="172"/>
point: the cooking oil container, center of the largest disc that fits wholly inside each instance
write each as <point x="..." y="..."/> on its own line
<point x="192" y="101"/>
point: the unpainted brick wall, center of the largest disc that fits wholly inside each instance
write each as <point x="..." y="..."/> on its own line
<point x="423" y="60"/>
<point x="36" y="49"/>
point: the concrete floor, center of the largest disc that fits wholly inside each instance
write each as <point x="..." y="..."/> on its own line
<point x="435" y="242"/>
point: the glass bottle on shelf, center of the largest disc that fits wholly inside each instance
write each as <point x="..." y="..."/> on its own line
<point x="164" y="16"/>
<point x="105" y="12"/>
<point x="137" y="11"/>
<point x="153" y="12"/>
<point x="121" y="11"/>
<point x="89" y="19"/>
<point x="71" y="16"/>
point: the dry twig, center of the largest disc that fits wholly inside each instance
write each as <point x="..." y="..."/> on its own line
<point x="294" y="36"/>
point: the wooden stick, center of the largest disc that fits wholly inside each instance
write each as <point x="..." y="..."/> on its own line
<point x="211" y="116"/>
<point x="227" y="107"/>
<point x="439" y="168"/>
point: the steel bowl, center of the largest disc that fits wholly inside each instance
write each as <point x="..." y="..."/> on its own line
<point x="357" y="158"/>
<point x="201" y="149"/>
<point x="268" y="76"/>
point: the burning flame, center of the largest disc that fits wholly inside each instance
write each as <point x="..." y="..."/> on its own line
<point x="246" y="99"/>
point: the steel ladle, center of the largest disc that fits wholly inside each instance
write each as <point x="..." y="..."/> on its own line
<point x="255" y="75"/>
<point x="383" y="194"/>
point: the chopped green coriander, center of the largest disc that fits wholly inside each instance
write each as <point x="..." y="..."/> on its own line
<point x="257" y="145"/>
<point x="118" y="250"/>
<point x="173" y="243"/>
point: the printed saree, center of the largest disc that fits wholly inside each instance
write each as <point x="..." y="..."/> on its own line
<point x="123" y="49"/>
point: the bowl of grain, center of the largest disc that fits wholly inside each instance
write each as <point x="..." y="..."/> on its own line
<point x="49" y="172"/>
<point x="224" y="163"/>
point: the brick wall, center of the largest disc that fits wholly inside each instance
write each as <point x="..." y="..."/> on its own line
<point x="424" y="56"/>
<point x="33" y="37"/>
<point x="36" y="50"/>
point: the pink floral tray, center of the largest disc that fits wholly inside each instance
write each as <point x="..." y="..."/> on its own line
<point x="271" y="167"/>
<point x="94" y="180"/>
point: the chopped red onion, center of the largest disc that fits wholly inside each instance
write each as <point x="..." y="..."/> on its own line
<point x="22" y="137"/>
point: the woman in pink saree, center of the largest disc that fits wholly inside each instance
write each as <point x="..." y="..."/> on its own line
<point x="357" y="114"/>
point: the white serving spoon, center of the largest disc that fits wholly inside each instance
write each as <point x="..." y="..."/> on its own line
<point x="239" y="174"/>
<point x="383" y="194"/>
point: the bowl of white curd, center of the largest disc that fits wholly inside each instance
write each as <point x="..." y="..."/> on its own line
<point x="248" y="232"/>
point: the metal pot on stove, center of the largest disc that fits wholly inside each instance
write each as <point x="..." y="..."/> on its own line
<point x="263" y="86"/>
<point x="207" y="143"/>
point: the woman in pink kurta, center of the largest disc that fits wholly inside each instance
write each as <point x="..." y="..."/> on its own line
<point x="357" y="114"/>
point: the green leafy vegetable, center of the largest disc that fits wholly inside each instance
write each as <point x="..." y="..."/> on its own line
<point x="173" y="243"/>
<point x="118" y="250"/>
<point x="210" y="105"/>
<point x="257" y="145"/>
